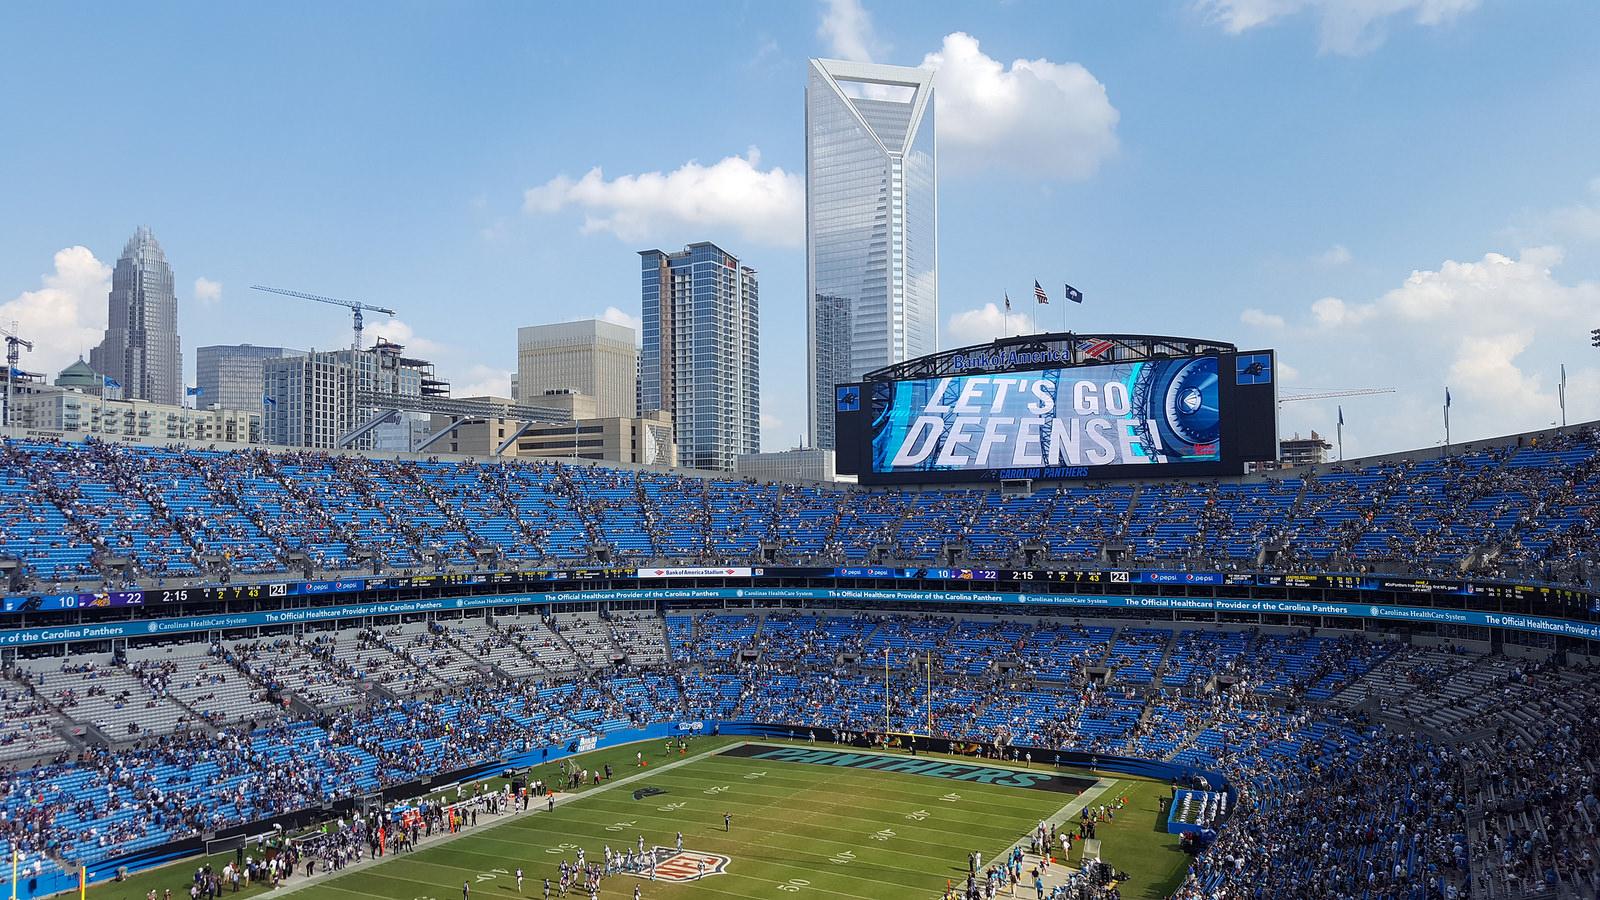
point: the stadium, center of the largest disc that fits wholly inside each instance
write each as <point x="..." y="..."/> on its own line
<point x="387" y="675"/>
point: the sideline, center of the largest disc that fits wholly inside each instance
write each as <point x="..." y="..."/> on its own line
<point x="1060" y="868"/>
<point x="562" y="799"/>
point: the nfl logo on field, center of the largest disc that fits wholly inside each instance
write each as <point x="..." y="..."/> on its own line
<point x="687" y="865"/>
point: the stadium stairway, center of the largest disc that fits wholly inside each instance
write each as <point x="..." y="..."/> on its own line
<point x="441" y="502"/>
<point x="459" y="639"/>
<point x="578" y="656"/>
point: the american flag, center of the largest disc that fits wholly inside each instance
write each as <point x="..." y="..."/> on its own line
<point x="1040" y="295"/>
<point x="1094" y="348"/>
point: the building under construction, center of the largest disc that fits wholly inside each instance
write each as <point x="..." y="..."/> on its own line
<point x="319" y="399"/>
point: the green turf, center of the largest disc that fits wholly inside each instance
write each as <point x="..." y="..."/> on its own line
<point x="799" y="830"/>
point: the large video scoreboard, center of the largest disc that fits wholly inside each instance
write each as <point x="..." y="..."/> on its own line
<point x="1007" y="416"/>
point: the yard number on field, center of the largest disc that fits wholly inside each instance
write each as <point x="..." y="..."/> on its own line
<point x="794" y="885"/>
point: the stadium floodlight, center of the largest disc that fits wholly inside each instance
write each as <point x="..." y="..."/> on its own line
<point x="1594" y="338"/>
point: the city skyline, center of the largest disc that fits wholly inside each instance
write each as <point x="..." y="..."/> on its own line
<point x="1390" y="199"/>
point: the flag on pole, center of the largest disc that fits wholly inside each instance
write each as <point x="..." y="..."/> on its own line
<point x="1073" y="294"/>
<point x="1341" y="416"/>
<point x="112" y="383"/>
<point x="193" y="391"/>
<point x="1008" y="301"/>
<point x="268" y="401"/>
<point x="1040" y="295"/>
<point x="1446" y="398"/>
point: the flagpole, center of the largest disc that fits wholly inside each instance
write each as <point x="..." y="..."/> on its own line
<point x="1446" y="421"/>
<point x="1562" y="395"/>
<point x="1341" y="434"/>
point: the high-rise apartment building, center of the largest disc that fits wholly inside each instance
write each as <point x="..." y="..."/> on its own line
<point x="595" y="358"/>
<point x="701" y="355"/>
<point x="140" y="351"/>
<point x="872" y="225"/>
<point x="230" y="375"/>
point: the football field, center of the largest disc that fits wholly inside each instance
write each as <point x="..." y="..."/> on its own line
<point x="820" y="822"/>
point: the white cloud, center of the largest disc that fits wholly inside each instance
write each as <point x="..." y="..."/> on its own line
<point x="987" y="322"/>
<point x="399" y="332"/>
<point x="207" y="291"/>
<point x="1331" y="312"/>
<point x="848" y="31"/>
<point x="1494" y="330"/>
<point x="621" y="317"/>
<point x="1581" y="221"/>
<point x="1261" y="319"/>
<point x="66" y="316"/>
<point x="1334" y="256"/>
<point x="1344" y="27"/>
<point x="1035" y="116"/>
<point x="484" y="381"/>
<point x="763" y="206"/>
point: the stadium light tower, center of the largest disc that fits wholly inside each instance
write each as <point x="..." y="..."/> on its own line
<point x="1594" y="338"/>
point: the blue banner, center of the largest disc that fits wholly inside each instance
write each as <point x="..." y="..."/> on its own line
<point x="16" y="637"/>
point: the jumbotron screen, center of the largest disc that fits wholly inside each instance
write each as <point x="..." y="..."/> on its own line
<point x="1122" y="419"/>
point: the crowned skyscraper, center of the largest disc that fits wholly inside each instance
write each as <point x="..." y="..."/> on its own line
<point x="872" y="225"/>
<point x="140" y="350"/>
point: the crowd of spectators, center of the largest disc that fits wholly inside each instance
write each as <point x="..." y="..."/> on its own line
<point x="1525" y="511"/>
<point x="1326" y="797"/>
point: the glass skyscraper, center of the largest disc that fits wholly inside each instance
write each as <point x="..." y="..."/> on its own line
<point x="701" y="358"/>
<point x="872" y="225"/>
<point x="140" y="350"/>
<point x="229" y="375"/>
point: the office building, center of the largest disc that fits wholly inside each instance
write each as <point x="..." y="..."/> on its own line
<point x="314" y="399"/>
<point x="643" y="440"/>
<point x="140" y="351"/>
<point x="595" y="358"/>
<point x="700" y="361"/>
<point x="800" y="464"/>
<point x="229" y="375"/>
<point x="872" y="224"/>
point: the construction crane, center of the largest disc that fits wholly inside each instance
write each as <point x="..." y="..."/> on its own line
<point x="354" y="306"/>
<point x="14" y="347"/>
<point x="1328" y="395"/>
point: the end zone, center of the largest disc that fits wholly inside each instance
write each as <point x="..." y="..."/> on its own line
<point x="1033" y="779"/>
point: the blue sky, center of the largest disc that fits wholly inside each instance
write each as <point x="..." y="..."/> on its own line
<point x="1395" y="193"/>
